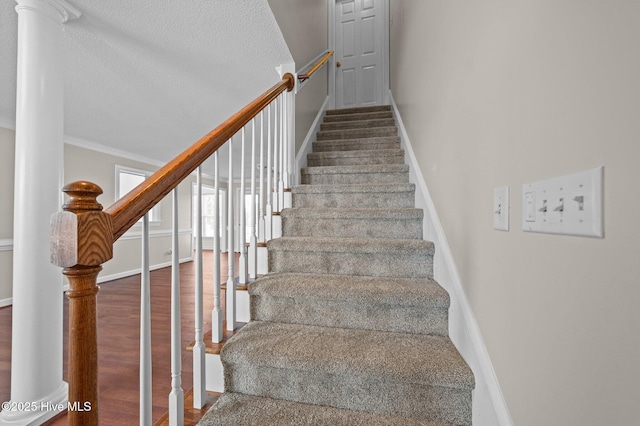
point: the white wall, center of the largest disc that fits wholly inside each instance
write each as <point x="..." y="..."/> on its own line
<point x="304" y="27"/>
<point x="504" y="93"/>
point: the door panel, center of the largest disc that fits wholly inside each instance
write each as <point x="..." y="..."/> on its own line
<point x="359" y="43"/>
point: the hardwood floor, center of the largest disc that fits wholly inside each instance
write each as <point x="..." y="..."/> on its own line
<point x="118" y="341"/>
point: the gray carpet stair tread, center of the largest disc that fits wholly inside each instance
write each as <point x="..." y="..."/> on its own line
<point x="370" y="290"/>
<point x="357" y="133"/>
<point x="373" y="168"/>
<point x="332" y="118"/>
<point x="356" y="153"/>
<point x="356" y="110"/>
<point x="385" y="356"/>
<point x="358" y="124"/>
<point x="319" y="146"/>
<point x="354" y="188"/>
<point x="344" y="213"/>
<point x="235" y="409"/>
<point x="395" y="247"/>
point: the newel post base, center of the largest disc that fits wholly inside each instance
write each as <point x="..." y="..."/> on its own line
<point x="81" y="241"/>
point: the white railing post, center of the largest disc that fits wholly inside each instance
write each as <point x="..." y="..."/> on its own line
<point x="242" y="279"/>
<point x="145" y="328"/>
<point x="281" y="152"/>
<point x="216" y="314"/>
<point x="261" y="221"/>
<point x="276" y="154"/>
<point x="268" y="225"/>
<point x="231" y="282"/>
<point x="176" y="397"/>
<point x="199" y="349"/>
<point x="253" y="238"/>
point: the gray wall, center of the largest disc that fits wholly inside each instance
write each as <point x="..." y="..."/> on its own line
<point x="304" y="27"/>
<point x="98" y="167"/>
<point x="505" y="93"/>
<point x="7" y="154"/>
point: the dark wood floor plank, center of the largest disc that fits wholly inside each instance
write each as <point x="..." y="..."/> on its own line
<point x="118" y="341"/>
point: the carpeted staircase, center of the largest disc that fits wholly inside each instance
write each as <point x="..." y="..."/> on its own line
<point x="348" y="327"/>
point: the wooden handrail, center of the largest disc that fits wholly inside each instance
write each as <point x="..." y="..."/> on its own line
<point x="130" y="208"/>
<point x="307" y="75"/>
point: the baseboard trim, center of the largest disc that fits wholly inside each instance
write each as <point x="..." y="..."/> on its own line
<point x="6" y="302"/>
<point x="307" y="145"/>
<point x="103" y="279"/>
<point x="463" y="326"/>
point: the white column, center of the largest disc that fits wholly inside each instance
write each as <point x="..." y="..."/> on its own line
<point x="36" y="374"/>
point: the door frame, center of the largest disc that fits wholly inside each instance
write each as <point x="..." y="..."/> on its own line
<point x="386" y="16"/>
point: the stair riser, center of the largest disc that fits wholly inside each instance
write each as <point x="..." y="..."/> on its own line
<point x="359" y="124"/>
<point x="352" y="392"/>
<point x="358" y="110"/>
<point x="416" y="265"/>
<point x="318" y="161"/>
<point x="387" y="200"/>
<point x="353" y="178"/>
<point x="357" y="133"/>
<point x="357" y="145"/>
<point x="357" y="117"/>
<point x="352" y="228"/>
<point x="351" y="314"/>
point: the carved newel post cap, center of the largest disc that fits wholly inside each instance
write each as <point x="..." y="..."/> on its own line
<point x="83" y="197"/>
<point x="82" y="235"/>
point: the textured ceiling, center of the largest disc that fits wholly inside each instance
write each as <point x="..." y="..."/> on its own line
<point x="152" y="77"/>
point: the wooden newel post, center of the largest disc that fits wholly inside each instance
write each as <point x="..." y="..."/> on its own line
<point x="81" y="241"/>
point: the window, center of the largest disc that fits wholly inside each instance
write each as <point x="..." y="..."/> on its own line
<point x="208" y="212"/>
<point x="126" y="180"/>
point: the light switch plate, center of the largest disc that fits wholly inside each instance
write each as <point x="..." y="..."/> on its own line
<point x="570" y="204"/>
<point x="501" y="208"/>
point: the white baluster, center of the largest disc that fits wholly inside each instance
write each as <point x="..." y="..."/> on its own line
<point x="286" y="140"/>
<point x="242" y="276"/>
<point x="253" y="238"/>
<point x="268" y="227"/>
<point x="145" y="328"/>
<point x="231" y="283"/>
<point x="282" y="146"/>
<point x="276" y="147"/>
<point x="199" y="381"/>
<point x="261" y="221"/>
<point x="216" y="314"/>
<point x="176" y="397"/>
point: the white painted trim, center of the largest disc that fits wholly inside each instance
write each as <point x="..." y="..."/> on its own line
<point x="331" y="45"/>
<point x="153" y="234"/>
<point x="6" y="302"/>
<point x="307" y="145"/>
<point x="463" y="327"/>
<point x="94" y="146"/>
<point x="105" y="278"/>
<point x="6" y="244"/>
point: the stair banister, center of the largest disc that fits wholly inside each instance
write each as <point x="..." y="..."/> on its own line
<point x="176" y="396"/>
<point x="268" y="219"/>
<point x="261" y="220"/>
<point x="145" y="328"/>
<point x="199" y="348"/>
<point x="216" y="314"/>
<point x="130" y="208"/>
<point x="242" y="217"/>
<point x="230" y="293"/>
<point x="82" y="240"/>
<point x="253" y="238"/>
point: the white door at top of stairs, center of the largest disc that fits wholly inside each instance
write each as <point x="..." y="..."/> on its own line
<point x="360" y="61"/>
